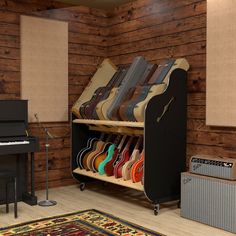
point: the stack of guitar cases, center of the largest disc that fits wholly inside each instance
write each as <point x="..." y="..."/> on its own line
<point x="208" y="192"/>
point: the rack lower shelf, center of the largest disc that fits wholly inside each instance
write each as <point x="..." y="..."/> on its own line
<point x="110" y="179"/>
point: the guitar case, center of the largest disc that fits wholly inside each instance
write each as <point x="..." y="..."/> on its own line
<point x="165" y="140"/>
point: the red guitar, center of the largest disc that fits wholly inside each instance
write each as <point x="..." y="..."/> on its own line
<point x="109" y="167"/>
<point x="137" y="169"/>
<point x="125" y="155"/>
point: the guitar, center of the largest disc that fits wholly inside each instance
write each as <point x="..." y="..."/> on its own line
<point x="126" y="170"/>
<point x="102" y="76"/>
<point x="87" y="108"/>
<point x="79" y="153"/>
<point x="97" y="113"/>
<point x="157" y="89"/>
<point x="141" y="92"/>
<point x="135" y="72"/>
<point x="98" y="145"/>
<point x="98" y="158"/>
<point x="109" y="166"/>
<point x="137" y="169"/>
<point x="123" y="158"/>
<point x="136" y="91"/>
<point x="127" y="96"/>
<point x="109" y="156"/>
<point x="86" y="150"/>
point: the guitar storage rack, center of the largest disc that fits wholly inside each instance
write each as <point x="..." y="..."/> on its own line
<point x="164" y="131"/>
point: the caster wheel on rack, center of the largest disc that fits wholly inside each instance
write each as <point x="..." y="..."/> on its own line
<point x="82" y="186"/>
<point x="156" y="209"/>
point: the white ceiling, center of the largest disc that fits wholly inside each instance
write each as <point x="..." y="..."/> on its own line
<point x="101" y="4"/>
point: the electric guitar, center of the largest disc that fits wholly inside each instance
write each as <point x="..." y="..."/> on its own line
<point x="156" y="89"/>
<point x="96" y="148"/>
<point x="109" y="156"/>
<point x="102" y="76"/>
<point x="126" y="170"/>
<point x="137" y="169"/>
<point x="123" y="158"/>
<point x="86" y="150"/>
<point x="109" y="166"/>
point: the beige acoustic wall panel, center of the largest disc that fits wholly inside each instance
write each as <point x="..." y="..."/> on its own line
<point x="44" y="68"/>
<point x="221" y="63"/>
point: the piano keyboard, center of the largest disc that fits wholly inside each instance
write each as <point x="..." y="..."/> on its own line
<point x="14" y="143"/>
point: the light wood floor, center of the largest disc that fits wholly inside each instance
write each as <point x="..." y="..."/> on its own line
<point x="127" y="204"/>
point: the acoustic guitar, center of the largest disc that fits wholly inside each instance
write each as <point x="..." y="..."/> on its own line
<point x="126" y="170"/>
<point x="134" y="93"/>
<point x="103" y="106"/>
<point x="102" y="76"/>
<point x="109" y="155"/>
<point x="97" y="147"/>
<point x="125" y="155"/>
<point x="135" y="72"/>
<point x="97" y="113"/>
<point x="146" y="75"/>
<point x="87" y="108"/>
<point x="137" y="169"/>
<point x="141" y="92"/>
<point x="109" y="166"/>
<point x="157" y="89"/>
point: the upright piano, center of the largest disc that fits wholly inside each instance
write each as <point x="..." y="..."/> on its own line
<point x="15" y="146"/>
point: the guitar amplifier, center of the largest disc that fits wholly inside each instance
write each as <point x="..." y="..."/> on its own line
<point x="213" y="166"/>
<point x="209" y="200"/>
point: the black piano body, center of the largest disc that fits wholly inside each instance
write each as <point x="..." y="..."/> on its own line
<point x="15" y="147"/>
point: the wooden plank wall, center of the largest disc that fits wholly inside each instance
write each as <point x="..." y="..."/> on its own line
<point x="160" y="29"/>
<point x="87" y="48"/>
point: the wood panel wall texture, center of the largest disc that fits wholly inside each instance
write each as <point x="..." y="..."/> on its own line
<point x="87" y="39"/>
<point x="155" y="29"/>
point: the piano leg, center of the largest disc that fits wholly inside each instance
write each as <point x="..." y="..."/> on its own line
<point x="30" y="198"/>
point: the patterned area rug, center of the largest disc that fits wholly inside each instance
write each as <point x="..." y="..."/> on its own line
<point x="84" y="223"/>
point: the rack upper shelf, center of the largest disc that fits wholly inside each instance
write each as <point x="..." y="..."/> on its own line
<point x="110" y="123"/>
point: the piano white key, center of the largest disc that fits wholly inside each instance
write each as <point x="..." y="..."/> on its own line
<point x="14" y="143"/>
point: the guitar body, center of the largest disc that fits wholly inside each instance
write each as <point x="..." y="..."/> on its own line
<point x="126" y="170"/>
<point x="100" y="157"/>
<point x="109" y="156"/>
<point x="80" y="158"/>
<point x="119" y="166"/>
<point x="109" y="166"/>
<point x="81" y="151"/>
<point x="137" y="170"/>
<point x="105" y="71"/>
<point x="97" y="148"/>
<point x="139" y="108"/>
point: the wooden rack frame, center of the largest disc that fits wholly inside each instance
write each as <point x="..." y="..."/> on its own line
<point x="164" y="133"/>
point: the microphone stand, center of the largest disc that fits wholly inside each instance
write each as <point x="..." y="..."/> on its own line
<point x="46" y="202"/>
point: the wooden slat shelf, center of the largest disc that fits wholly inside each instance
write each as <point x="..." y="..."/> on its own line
<point x="110" y="123"/>
<point x="111" y="179"/>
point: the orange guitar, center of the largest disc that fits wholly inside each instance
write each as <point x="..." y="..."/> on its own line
<point x="126" y="170"/>
<point x="137" y="169"/>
